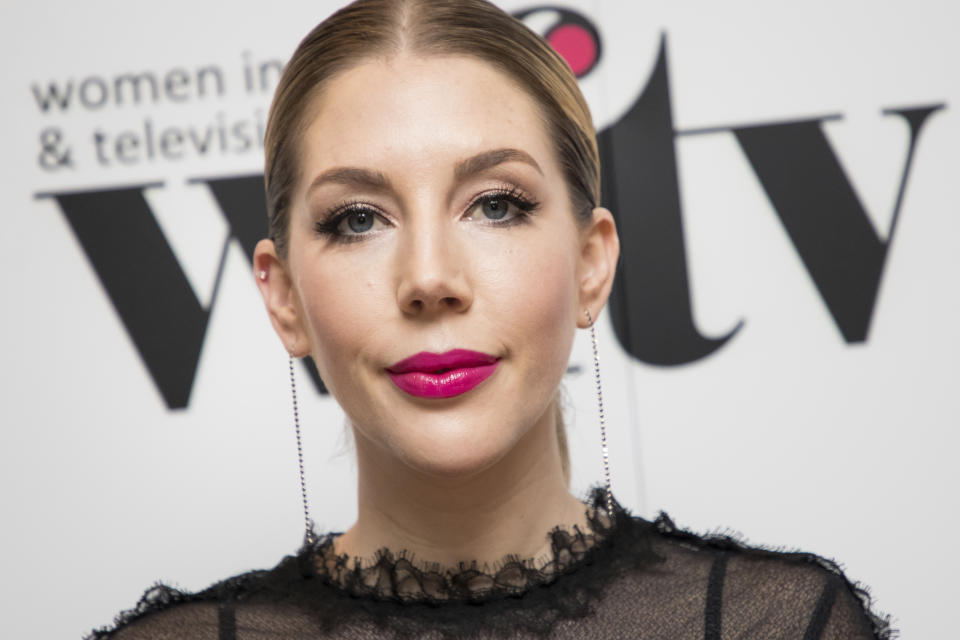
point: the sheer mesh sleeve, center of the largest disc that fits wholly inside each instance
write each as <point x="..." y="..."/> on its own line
<point x="757" y="593"/>
<point x="771" y="597"/>
<point x="194" y="620"/>
<point x="848" y="618"/>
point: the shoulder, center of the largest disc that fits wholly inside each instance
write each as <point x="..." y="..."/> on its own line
<point x="753" y="591"/>
<point x="166" y="612"/>
<point x="163" y="612"/>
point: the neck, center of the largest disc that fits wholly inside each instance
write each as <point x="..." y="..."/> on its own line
<point x="507" y="508"/>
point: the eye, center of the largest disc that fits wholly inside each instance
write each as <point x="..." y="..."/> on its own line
<point x="501" y="207"/>
<point x="358" y="221"/>
<point x="495" y="208"/>
<point x="354" y="222"/>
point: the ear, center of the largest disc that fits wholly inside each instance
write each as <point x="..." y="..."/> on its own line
<point x="280" y="298"/>
<point x="599" y="252"/>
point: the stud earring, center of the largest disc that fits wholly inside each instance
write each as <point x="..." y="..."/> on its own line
<point x="262" y="275"/>
<point x="308" y="536"/>
<point x="603" y="421"/>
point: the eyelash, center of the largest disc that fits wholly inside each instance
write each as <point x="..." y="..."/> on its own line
<point x="330" y="225"/>
<point x="525" y="205"/>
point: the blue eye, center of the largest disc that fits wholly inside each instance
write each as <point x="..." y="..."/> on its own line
<point x="358" y="221"/>
<point x="355" y="222"/>
<point x="502" y="207"/>
<point x="495" y="208"/>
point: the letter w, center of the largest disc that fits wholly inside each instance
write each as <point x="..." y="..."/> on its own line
<point x="144" y="281"/>
<point x="54" y="95"/>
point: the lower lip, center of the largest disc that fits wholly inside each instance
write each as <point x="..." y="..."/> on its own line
<point x="442" y="385"/>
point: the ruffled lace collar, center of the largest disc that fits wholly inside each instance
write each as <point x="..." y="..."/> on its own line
<point x="393" y="592"/>
<point x="400" y="597"/>
<point x="397" y="577"/>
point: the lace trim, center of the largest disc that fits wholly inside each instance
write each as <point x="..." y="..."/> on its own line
<point x="401" y="579"/>
<point x="335" y="595"/>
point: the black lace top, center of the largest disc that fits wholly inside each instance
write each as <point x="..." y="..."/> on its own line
<point x="626" y="579"/>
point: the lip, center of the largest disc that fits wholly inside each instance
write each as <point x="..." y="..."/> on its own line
<point x="442" y="375"/>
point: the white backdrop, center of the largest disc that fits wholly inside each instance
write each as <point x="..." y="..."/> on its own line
<point x="787" y="433"/>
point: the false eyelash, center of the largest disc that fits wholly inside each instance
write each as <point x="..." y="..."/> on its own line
<point x="330" y="225"/>
<point x="515" y="196"/>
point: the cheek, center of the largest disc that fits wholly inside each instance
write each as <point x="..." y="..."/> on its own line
<point x="343" y="308"/>
<point x="539" y="297"/>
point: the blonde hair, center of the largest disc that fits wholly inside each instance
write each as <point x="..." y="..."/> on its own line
<point x="368" y="29"/>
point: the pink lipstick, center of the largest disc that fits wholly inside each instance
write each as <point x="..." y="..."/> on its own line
<point x="442" y="375"/>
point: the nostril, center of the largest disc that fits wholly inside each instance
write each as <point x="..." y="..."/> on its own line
<point x="418" y="294"/>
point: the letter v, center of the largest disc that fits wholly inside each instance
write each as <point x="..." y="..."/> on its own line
<point x="823" y="215"/>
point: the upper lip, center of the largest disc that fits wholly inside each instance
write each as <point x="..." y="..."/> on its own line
<point x="427" y="362"/>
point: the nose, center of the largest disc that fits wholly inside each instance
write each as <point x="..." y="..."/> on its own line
<point x="432" y="273"/>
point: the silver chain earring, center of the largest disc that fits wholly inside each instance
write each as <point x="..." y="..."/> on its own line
<point x="308" y="536"/>
<point x="603" y="420"/>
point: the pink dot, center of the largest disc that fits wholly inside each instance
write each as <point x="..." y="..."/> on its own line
<point x="575" y="45"/>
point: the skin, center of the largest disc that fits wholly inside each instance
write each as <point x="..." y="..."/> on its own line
<point x="476" y="476"/>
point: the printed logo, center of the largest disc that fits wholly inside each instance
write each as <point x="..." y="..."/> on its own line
<point x="571" y="35"/>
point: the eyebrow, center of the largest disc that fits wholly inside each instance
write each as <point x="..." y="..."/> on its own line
<point x="357" y="177"/>
<point x="489" y="159"/>
<point x="352" y="177"/>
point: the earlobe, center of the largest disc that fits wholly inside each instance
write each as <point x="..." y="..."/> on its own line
<point x="279" y="298"/>
<point x="600" y="250"/>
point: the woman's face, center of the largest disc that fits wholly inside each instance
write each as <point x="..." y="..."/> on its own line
<point x="432" y="217"/>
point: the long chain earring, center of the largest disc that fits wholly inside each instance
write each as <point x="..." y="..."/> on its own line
<point x="308" y="536"/>
<point x="603" y="420"/>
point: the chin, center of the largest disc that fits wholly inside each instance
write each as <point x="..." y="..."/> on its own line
<point x="452" y="467"/>
<point x="453" y="451"/>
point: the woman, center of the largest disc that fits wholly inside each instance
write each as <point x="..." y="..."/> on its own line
<point x="435" y="241"/>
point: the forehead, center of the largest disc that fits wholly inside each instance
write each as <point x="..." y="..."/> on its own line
<point x="420" y="112"/>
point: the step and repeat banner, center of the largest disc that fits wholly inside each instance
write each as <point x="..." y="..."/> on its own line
<point x="780" y="353"/>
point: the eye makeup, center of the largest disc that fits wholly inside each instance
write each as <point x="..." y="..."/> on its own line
<point x="345" y="222"/>
<point x="500" y="202"/>
<point x="354" y="220"/>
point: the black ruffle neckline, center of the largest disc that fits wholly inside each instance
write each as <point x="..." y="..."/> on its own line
<point x="393" y="592"/>
<point x="518" y="596"/>
<point x="399" y="578"/>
